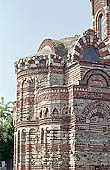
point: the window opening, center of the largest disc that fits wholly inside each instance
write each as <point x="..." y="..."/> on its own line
<point x="42" y="136"/>
<point x="101" y="26"/>
<point x="46" y="112"/>
<point x="90" y="54"/>
<point x="41" y="114"/>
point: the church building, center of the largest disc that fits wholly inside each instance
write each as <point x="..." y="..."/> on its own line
<point x="62" y="108"/>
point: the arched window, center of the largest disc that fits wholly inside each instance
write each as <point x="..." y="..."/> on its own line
<point x="46" y="112"/>
<point x="55" y="112"/>
<point x="101" y="26"/>
<point x="70" y="110"/>
<point x="90" y="54"/>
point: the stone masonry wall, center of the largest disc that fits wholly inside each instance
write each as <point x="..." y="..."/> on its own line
<point x="62" y="110"/>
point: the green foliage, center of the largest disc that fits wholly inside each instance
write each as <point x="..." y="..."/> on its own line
<point x="6" y="130"/>
<point x="5" y="109"/>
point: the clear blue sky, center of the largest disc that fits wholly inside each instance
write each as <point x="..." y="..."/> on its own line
<point x="24" y="24"/>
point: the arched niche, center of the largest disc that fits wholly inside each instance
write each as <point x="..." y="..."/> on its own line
<point x="97" y="112"/>
<point x="50" y="46"/>
<point x="23" y="135"/>
<point x="32" y="134"/>
<point x="32" y="140"/>
<point x="27" y="106"/>
<point x="55" y="112"/>
<point x="23" y="147"/>
<point x="96" y="72"/>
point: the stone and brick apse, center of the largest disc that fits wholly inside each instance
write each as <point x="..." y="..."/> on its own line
<point x="62" y="109"/>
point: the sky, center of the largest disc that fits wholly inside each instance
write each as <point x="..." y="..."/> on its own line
<point x="24" y="24"/>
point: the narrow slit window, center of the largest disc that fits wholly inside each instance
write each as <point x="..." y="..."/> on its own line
<point x="41" y="114"/>
<point x="42" y="136"/>
<point x="101" y="26"/>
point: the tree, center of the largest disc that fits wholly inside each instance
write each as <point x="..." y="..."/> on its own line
<point x="6" y="130"/>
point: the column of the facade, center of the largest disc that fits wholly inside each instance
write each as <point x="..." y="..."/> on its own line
<point x="36" y="111"/>
<point x="23" y="149"/>
<point x="15" y="153"/>
<point x="18" y="152"/>
<point x="27" y="161"/>
<point x="19" y="109"/>
<point x="17" y="149"/>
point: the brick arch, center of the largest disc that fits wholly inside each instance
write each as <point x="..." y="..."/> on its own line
<point x="23" y="81"/>
<point x="89" y="39"/>
<point x="97" y="4"/>
<point x="27" y="80"/>
<point x="97" y="108"/>
<point x="99" y="12"/>
<point x="47" y="42"/>
<point x="56" y="47"/>
<point x="27" y="104"/>
<point x="92" y="72"/>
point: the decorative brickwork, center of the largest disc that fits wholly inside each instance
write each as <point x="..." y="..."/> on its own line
<point x="62" y="110"/>
<point x="101" y="8"/>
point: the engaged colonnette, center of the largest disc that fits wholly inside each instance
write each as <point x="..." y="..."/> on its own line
<point x="62" y="110"/>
